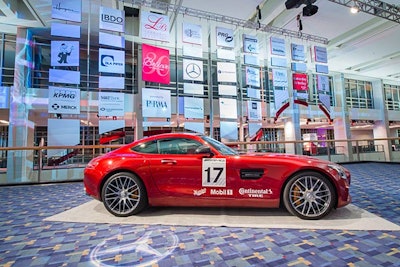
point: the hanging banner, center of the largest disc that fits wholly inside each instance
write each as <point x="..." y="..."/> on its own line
<point x="226" y="72"/>
<point x="278" y="46"/>
<point x="250" y="44"/>
<point x="111" y="19"/>
<point x="193" y="108"/>
<point x="300" y="81"/>
<point x="193" y="88"/>
<point x="254" y="110"/>
<point x="67" y="10"/>
<point x="65" y="30"/>
<point x="323" y="83"/>
<point x="227" y="108"/>
<point x="325" y="100"/>
<point x="193" y="70"/>
<point x="156" y="103"/>
<point x="224" y="89"/>
<point x="111" y="40"/>
<point x="229" y="130"/>
<point x="281" y="95"/>
<point x="225" y="37"/>
<point x="156" y="65"/>
<point x="320" y="54"/>
<point x="192" y="34"/>
<point x="64" y="76"/>
<point x="253" y="76"/>
<point x="111" y="61"/>
<point x="4" y="97"/>
<point x="197" y="127"/>
<point x="154" y="26"/>
<point x="279" y="77"/>
<point x="62" y="133"/>
<point x="111" y="82"/>
<point x="111" y="104"/>
<point x="298" y="52"/>
<point x="65" y="53"/>
<point x="64" y="100"/>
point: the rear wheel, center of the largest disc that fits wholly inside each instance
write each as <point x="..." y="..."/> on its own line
<point x="309" y="195"/>
<point x="124" y="194"/>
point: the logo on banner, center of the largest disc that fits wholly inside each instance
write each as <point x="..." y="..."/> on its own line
<point x="193" y="70"/>
<point x="155" y="64"/>
<point x="67" y="10"/>
<point x="225" y="37"/>
<point x="192" y="33"/>
<point x="155" y="26"/>
<point x="108" y="61"/>
<point x="300" y="82"/>
<point x="112" y="19"/>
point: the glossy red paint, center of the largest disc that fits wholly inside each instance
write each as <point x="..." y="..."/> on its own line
<point x="183" y="176"/>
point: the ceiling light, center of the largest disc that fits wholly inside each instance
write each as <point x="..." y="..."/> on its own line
<point x="309" y="10"/>
<point x="354" y="9"/>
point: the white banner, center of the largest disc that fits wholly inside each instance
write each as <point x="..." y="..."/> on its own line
<point x="227" y="108"/>
<point x="4" y="96"/>
<point x="156" y="103"/>
<point x="62" y="133"/>
<point x="65" y="30"/>
<point x="111" y="19"/>
<point x="281" y="96"/>
<point x="228" y="130"/>
<point x="254" y="93"/>
<point x="323" y="83"/>
<point x="250" y="44"/>
<point x="64" y="76"/>
<point x="226" y="72"/>
<point x="111" y="40"/>
<point x="298" y="52"/>
<point x="154" y="26"/>
<point x="192" y="51"/>
<point x="111" y="104"/>
<point x="225" y="54"/>
<point x="325" y="100"/>
<point x="111" y="61"/>
<point x="67" y="10"/>
<point x="253" y="128"/>
<point x="278" y="46"/>
<point x="224" y="89"/>
<point x="253" y="76"/>
<point x="64" y="100"/>
<point x="111" y="82"/>
<point x="64" y="53"/>
<point x="193" y="88"/>
<point x="197" y="127"/>
<point x="193" y="70"/>
<point x="254" y="110"/>
<point x="191" y="33"/>
<point x="320" y="54"/>
<point x="110" y="125"/>
<point x="279" y="77"/>
<point x="193" y="108"/>
<point x="225" y="37"/>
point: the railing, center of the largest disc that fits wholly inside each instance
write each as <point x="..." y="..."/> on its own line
<point x="34" y="164"/>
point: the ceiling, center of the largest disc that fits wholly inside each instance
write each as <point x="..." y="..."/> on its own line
<point x="360" y="44"/>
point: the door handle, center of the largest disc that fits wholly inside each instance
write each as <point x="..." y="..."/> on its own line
<point x="168" y="161"/>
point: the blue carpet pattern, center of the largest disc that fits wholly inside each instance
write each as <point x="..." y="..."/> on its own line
<point x="27" y="240"/>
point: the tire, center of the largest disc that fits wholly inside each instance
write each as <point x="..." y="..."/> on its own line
<point x="124" y="194"/>
<point x="309" y="196"/>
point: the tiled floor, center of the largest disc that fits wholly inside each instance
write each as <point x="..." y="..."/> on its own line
<point x="27" y="240"/>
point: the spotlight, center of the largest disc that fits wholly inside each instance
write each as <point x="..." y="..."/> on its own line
<point x="309" y="10"/>
<point x="293" y="3"/>
<point x="354" y="9"/>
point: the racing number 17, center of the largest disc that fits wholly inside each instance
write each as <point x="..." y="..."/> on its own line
<point x="208" y="171"/>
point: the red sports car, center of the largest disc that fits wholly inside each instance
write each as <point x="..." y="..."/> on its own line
<point x="193" y="170"/>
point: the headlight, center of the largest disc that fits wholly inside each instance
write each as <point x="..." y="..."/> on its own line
<point x="339" y="169"/>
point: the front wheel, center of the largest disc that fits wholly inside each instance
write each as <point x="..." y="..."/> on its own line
<point x="124" y="194"/>
<point x="309" y="196"/>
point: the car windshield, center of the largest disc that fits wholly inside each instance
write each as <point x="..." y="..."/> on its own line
<point x="223" y="149"/>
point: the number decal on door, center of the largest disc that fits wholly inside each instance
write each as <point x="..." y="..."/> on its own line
<point x="214" y="173"/>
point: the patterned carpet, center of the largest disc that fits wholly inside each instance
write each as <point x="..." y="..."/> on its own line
<point x="27" y="240"/>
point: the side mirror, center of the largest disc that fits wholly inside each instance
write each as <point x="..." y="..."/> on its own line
<point x="204" y="150"/>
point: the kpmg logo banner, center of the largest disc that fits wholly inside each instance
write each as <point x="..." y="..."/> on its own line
<point x="111" y="61"/>
<point x="64" y="100"/>
<point x="154" y="26"/>
<point x="112" y="19"/>
<point x="156" y="66"/>
<point x="192" y="33"/>
<point x="67" y="10"/>
<point x="225" y="37"/>
<point x="156" y="103"/>
<point x="278" y="46"/>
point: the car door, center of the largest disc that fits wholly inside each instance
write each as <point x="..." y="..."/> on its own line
<point x="176" y="169"/>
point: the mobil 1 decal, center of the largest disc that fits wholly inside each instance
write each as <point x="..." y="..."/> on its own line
<point x="213" y="172"/>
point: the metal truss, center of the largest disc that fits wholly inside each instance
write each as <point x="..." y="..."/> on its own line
<point x="374" y="7"/>
<point x="225" y="19"/>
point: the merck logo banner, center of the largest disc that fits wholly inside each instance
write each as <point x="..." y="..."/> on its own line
<point x="155" y="64"/>
<point x="154" y="26"/>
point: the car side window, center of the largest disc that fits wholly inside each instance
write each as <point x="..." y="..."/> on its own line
<point x="177" y="146"/>
<point x="148" y="148"/>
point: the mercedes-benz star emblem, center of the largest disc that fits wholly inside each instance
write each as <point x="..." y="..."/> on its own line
<point x="193" y="70"/>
